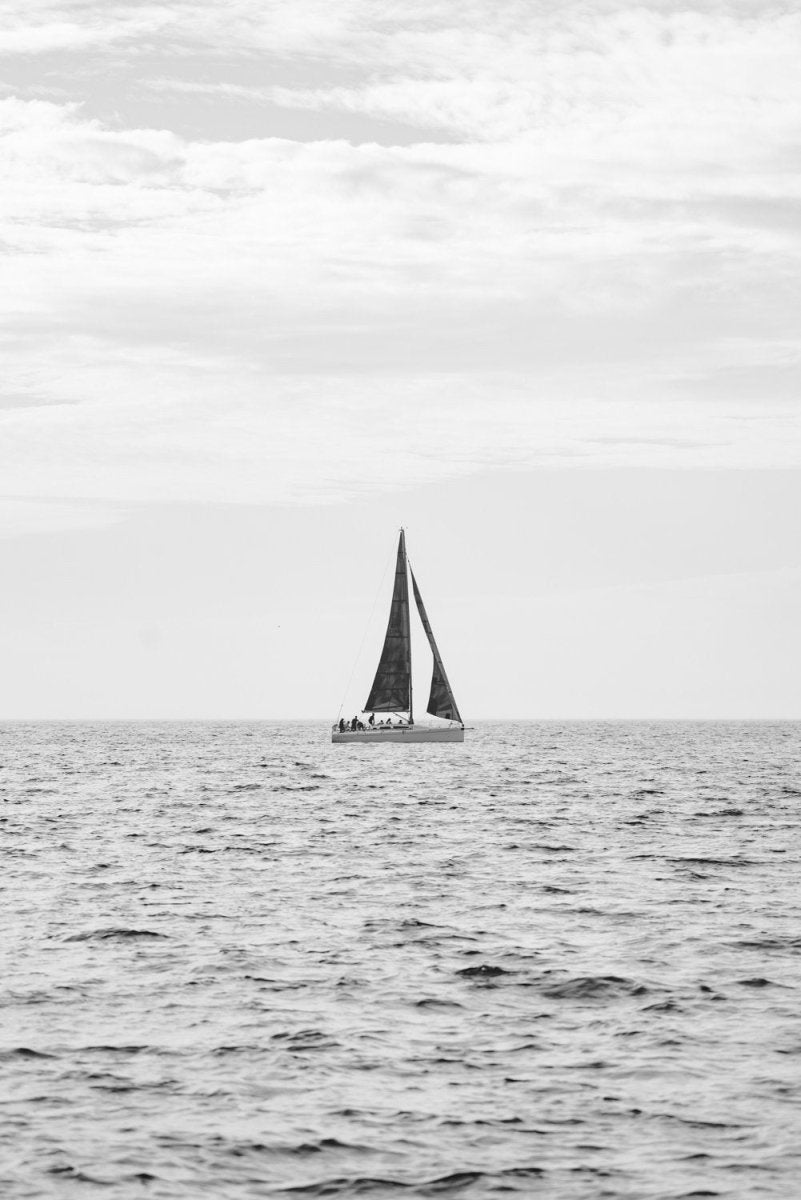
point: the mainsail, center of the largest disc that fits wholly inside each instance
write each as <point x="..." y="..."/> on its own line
<point x="440" y="702"/>
<point x="392" y="686"/>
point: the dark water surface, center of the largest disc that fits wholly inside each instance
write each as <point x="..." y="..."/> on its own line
<point x="562" y="960"/>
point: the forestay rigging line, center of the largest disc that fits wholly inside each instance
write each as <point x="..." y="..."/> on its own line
<point x="364" y="634"/>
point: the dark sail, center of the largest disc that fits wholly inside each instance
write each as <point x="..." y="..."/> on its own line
<point x="440" y="702"/>
<point x="391" y="690"/>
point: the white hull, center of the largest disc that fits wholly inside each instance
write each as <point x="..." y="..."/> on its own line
<point x="397" y="733"/>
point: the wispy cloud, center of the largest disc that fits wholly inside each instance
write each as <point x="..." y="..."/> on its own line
<point x="40" y="27"/>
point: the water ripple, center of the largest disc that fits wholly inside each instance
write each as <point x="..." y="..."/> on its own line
<point x="560" y="960"/>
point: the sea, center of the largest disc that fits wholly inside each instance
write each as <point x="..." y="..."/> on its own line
<point x="561" y="960"/>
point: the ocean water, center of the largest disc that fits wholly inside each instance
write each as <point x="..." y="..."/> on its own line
<point x="561" y="960"/>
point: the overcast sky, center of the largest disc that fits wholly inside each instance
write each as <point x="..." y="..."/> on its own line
<point x="280" y="275"/>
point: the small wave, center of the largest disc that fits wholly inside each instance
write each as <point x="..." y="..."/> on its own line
<point x="788" y="943"/>
<point x="713" y="862"/>
<point x="720" y="812"/>
<point x="585" y="987"/>
<point x="70" y="1172"/>
<point x="433" y="1003"/>
<point x="114" y="1049"/>
<point x="340" y="1186"/>
<point x="373" y="1185"/>
<point x="328" y="1143"/>
<point x="698" y="1123"/>
<point x="449" y="1183"/>
<point x="23" y="1052"/>
<point x="112" y="934"/>
<point x="73" y="1174"/>
<point x="441" y="1185"/>
<point x="484" y="971"/>
<point x="522" y="1172"/>
<point x="305" y="1039"/>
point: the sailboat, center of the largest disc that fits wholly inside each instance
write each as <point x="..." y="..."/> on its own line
<point x="392" y="687"/>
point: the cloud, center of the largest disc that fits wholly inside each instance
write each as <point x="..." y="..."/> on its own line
<point x="194" y="427"/>
<point x="595" y="227"/>
<point x="42" y="27"/>
<point x="633" y="85"/>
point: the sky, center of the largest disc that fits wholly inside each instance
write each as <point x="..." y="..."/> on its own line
<point x="279" y="276"/>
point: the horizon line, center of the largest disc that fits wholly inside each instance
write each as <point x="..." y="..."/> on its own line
<point x="296" y="720"/>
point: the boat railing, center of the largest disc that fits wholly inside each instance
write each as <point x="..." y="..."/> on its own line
<point x="365" y="727"/>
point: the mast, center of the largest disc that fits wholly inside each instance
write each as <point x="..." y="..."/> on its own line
<point x="406" y="569"/>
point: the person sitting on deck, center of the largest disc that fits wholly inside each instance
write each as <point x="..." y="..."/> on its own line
<point x="372" y="719"/>
<point x="341" y="724"/>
